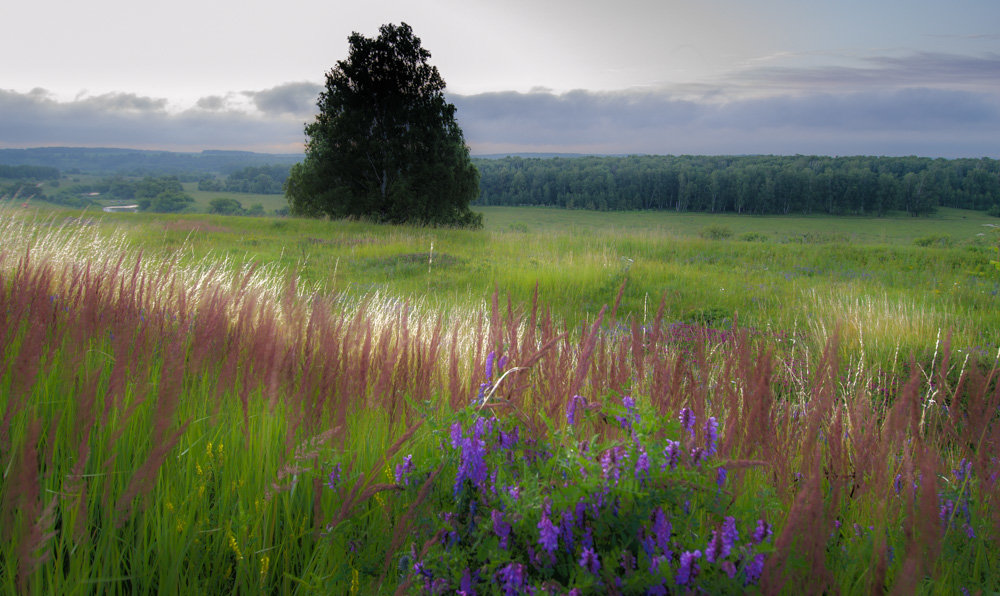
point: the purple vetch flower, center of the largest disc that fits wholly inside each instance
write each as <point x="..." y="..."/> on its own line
<point x="566" y="529"/>
<point x="509" y="440"/>
<point x="969" y="531"/>
<point x="672" y="455"/>
<point x="571" y="408"/>
<point x="897" y="483"/>
<point x="403" y="471"/>
<point x="500" y="528"/>
<point x="720" y="477"/>
<point x="762" y="532"/>
<point x="514" y="491"/>
<point x="730" y="568"/>
<point x="467" y="585"/>
<point x="642" y="465"/>
<point x="580" y="512"/>
<point x="752" y="569"/>
<point x="655" y="561"/>
<point x="697" y="455"/>
<point x="963" y="471"/>
<point x="711" y="435"/>
<point x="334" y="477"/>
<point x="687" y="420"/>
<point x="713" y="547"/>
<point x="662" y="530"/>
<point x="472" y="463"/>
<point x="548" y="536"/>
<point x="688" y="568"/>
<point x="590" y="561"/>
<point x="511" y="578"/>
<point x="730" y="536"/>
<point x="947" y="509"/>
<point x="489" y="365"/>
<point x="610" y="460"/>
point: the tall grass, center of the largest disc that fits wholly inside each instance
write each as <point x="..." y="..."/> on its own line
<point x="172" y="427"/>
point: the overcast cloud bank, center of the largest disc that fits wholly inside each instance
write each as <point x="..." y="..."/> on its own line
<point x="924" y="104"/>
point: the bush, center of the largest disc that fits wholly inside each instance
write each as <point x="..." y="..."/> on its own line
<point x="753" y="237"/>
<point x="716" y="232"/>
<point x="225" y="206"/>
<point x="935" y="240"/>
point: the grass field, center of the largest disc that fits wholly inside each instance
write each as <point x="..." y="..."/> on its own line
<point x="203" y="198"/>
<point x="231" y="404"/>
<point x="858" y="275"/>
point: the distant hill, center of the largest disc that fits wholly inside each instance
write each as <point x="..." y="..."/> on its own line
<point x="137" y="162"/>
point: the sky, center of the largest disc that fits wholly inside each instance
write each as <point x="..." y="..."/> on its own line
<point x="845" y="77"/>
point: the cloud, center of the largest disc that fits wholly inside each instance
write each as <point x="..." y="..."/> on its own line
<point x="925" y="69"/>
<point x="925" y="104"/>
<point x="297" y="99"/>
<point x="36" y="119"/>
<point x="889" y="122"/>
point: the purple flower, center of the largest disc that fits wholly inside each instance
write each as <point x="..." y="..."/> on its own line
<point x="730" y="568"/>
<point x="729" y="536"/>
<point x="334" y="477"/>
<point x="762" y="532"/>
<point x="467" y="585"/>
<point x="687" y="420"/>
<point x="611" y="459"/>
<point x="566" y="529"/>
<point x="641" y="465"/>
<point x="403" y="471"/>
<point x="514" y="491"/>
<point x="489" y="365"/>
<point x="688" y="569"/>
<point x="661" y="530"/>
<point x="752" y="570"/>
<point x="500" y="528"/>
<point x="714" y="545"/>
<point x="509" y="440"/>
<point x="947" y="509"/>
<point x="711" y="435"/>
<point x="472" y="463"/>
<point x="720" y="477"/>
<point x="697" y="455"/>
<point x="969" y="532"/>
<point x="963" y="471"/>
<point x="548" y="536"/>
<point x="590" y="561"/>
<point x="897" y="484"/>
<point x="512" y="579"/>
<point x="672" y="453"/>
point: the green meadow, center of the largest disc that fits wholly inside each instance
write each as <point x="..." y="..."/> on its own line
<point x="889" y="286"/>
<point x="562" y="402"/>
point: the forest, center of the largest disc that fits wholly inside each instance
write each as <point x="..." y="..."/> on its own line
<point x="744" y="184"/>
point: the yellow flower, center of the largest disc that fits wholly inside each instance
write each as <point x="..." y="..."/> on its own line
<point x="265" y="562"/>
<point x="354" y="581"/>
<point x="235" y="547"/>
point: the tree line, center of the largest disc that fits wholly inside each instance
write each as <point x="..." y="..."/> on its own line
<point x="29" y="172"/>
<point x="262" y="180"/>
<point x="744" y="184"/>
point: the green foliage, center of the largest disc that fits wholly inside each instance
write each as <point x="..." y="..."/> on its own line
<point x="936" y="240"/>
<point x="716" y="232"/>
<point x="225" y="206"/>
<point x="385" y="145"/>
<point x="167" y="201"/>
<point x="755" y="184"/>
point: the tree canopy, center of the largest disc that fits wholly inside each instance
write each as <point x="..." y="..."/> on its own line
<point x="385" y="144"/>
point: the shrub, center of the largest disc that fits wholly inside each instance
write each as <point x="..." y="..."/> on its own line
<point x="716" y="232"/>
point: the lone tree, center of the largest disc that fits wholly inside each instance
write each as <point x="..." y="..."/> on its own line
<point x="385" y="145"/>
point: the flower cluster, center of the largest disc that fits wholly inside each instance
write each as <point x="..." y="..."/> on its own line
<point x="565" y="535"/>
